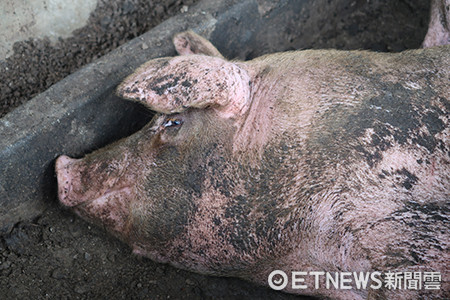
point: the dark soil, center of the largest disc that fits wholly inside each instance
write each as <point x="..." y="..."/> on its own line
<point x="59" y="256"/>
<point x="37" y="64"/>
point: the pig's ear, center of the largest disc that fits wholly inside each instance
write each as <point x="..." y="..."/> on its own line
<point x="172" y="85"/>
<point x="189" y="42"/>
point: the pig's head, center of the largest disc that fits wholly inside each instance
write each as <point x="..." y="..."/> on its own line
<point x="147" y="188"/>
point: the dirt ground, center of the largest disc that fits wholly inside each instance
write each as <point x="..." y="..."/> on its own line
<point x="58" y="255"/>
<point x="37" y="64"/>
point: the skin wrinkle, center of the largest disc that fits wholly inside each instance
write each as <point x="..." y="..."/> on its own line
<point x="336" y="162"/>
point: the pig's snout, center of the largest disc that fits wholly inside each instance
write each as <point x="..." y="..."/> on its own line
<point x="96" y="191"/>
<point x="64" y="167"/>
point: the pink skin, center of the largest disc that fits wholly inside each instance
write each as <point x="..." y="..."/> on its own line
<point x="106" y="204"/>
<point x="439" y="27"/>
<point x="194" y="76"/>
<point x="305" y="161"/>
<point x="188" y="43"/>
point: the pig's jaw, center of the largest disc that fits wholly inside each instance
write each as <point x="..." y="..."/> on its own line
<point x="110" y="209"/>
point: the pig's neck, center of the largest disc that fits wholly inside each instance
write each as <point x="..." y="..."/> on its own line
<point x="274" y="137"/>
<point x="253" y="128"/>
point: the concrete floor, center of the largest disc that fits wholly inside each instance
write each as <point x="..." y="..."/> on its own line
<point x="24" y="19"/>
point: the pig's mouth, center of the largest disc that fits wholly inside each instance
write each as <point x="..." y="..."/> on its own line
<point x="102" y="200"/>
<point x="109" y="208"/>
<point x="110" y="211"/>
<point x="68" y="178"/>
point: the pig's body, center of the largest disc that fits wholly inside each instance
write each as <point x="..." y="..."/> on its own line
<point x="299" y="161"/>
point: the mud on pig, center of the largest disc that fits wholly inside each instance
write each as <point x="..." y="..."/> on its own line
<point x="315" y="160"/>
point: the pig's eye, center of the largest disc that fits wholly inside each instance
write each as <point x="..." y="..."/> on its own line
<point x="172" y="123"/>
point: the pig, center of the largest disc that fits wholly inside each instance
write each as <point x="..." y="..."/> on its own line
<point x="313" y="160"/>
<point x="439" y="27"/>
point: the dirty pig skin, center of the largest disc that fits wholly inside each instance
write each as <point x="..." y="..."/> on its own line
<point x="315" y="160"/>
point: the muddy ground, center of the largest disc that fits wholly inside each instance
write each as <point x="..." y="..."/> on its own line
<point x="59" y="256"/>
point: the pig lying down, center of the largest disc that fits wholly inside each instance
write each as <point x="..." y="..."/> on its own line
<point x="316" y="160"/>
